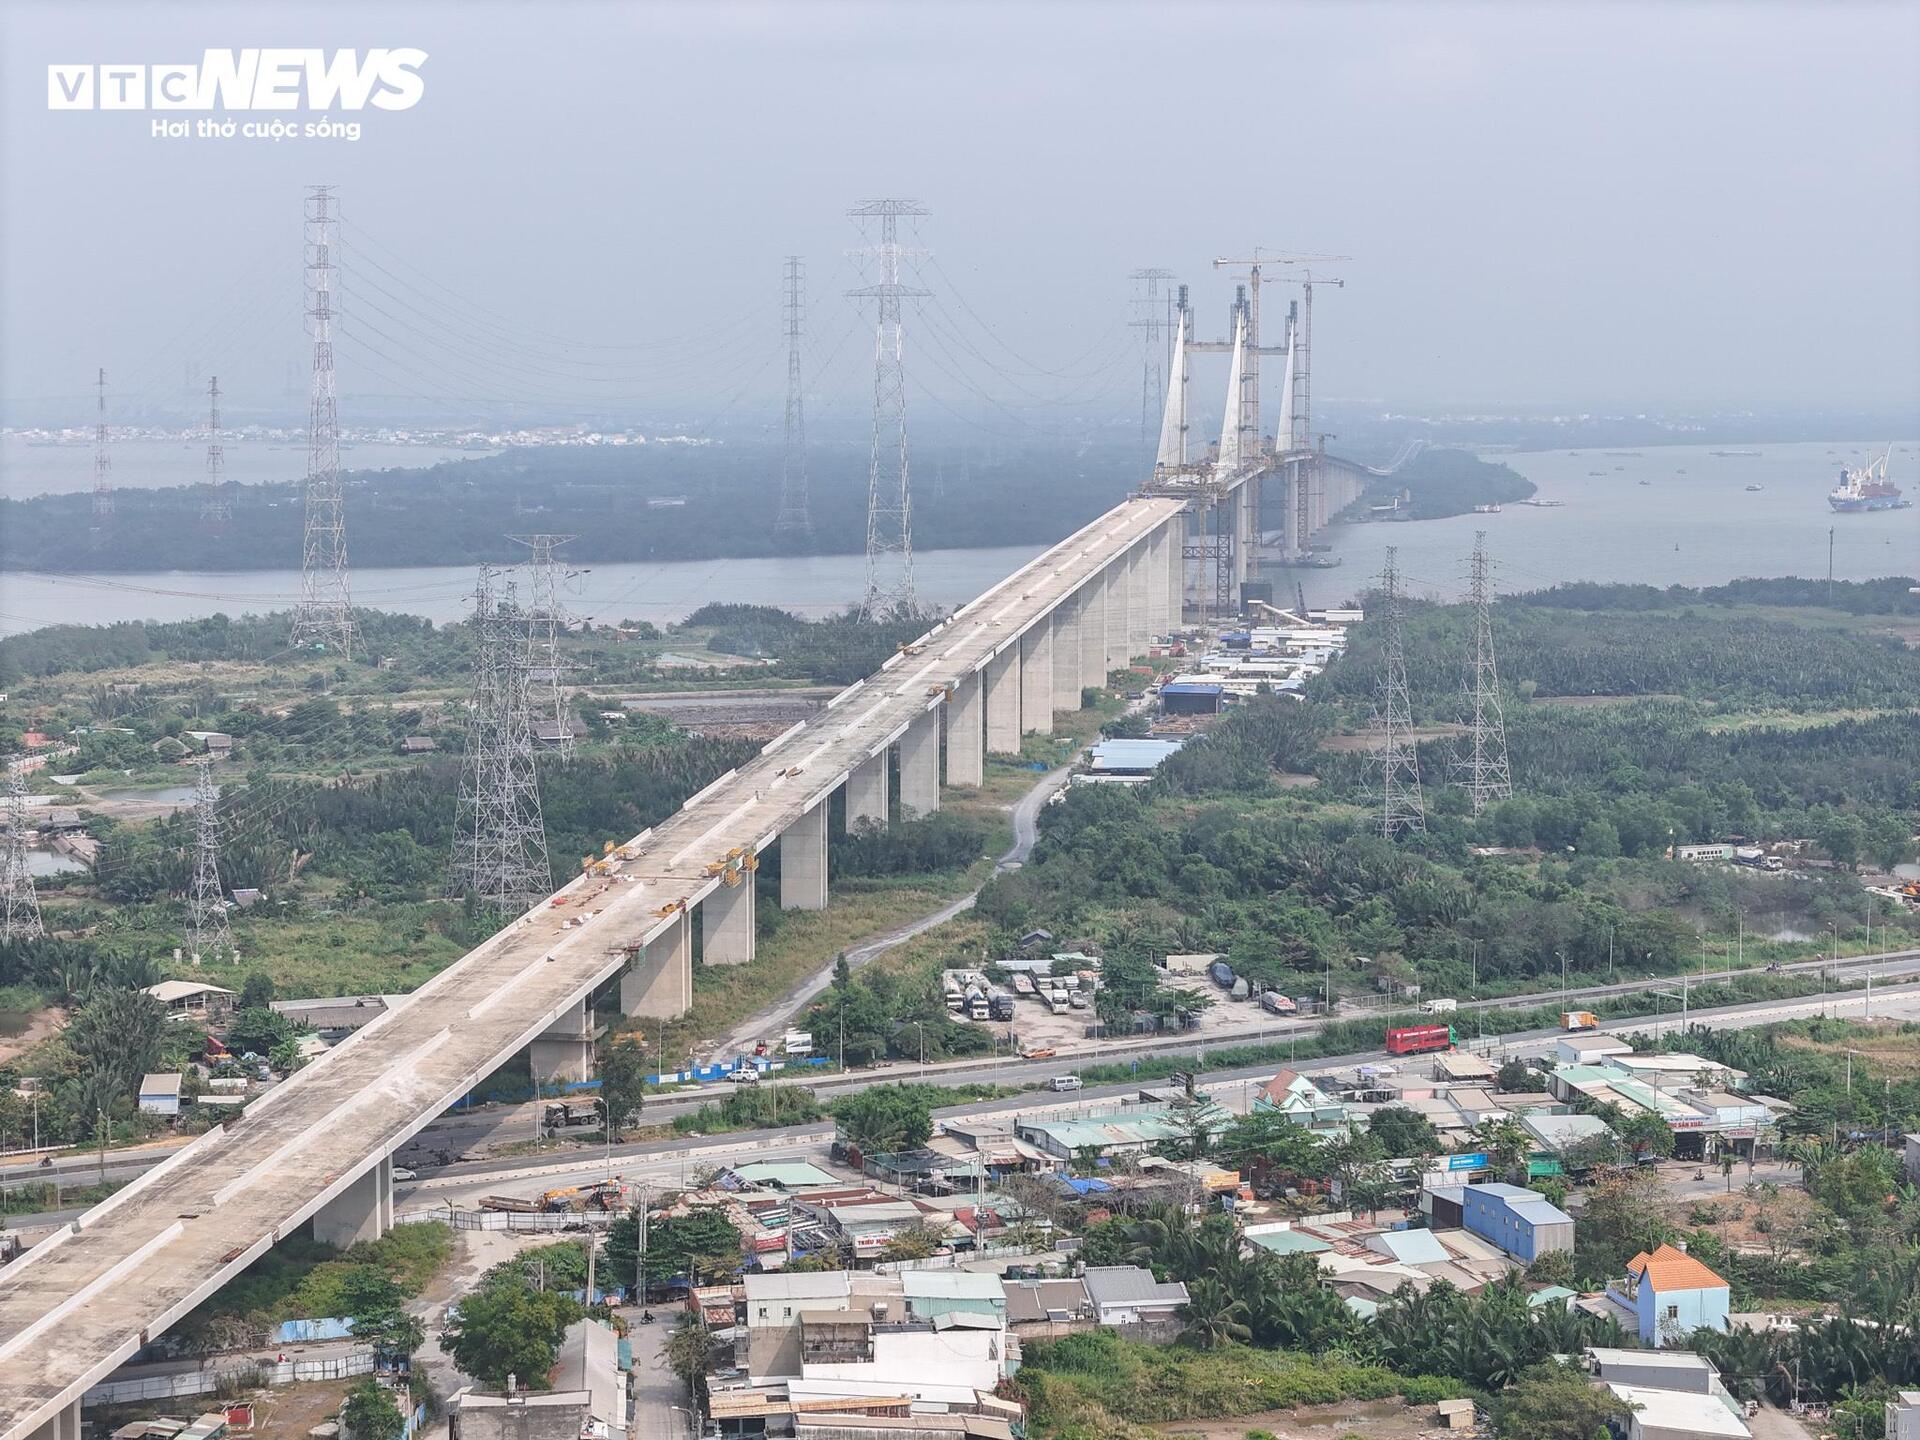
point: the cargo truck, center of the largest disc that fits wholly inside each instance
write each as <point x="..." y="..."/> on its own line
<point x="1417" y="1039"/>
<point x="1579" y="1020"/>
<point x="1439" y="1007"/>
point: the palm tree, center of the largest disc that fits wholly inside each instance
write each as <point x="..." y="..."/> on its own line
<point x="1214" y="1316"/>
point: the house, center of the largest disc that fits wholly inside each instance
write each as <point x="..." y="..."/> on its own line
<point x="160" y="1094"/>
<point x="1589" y="1048"/>
<point x="216" y="743"/>
<point x="1913" y="1158"/>
<point x="1523" y="1223"/>
<point x="191" y="999"/>
<point x="1293" y="1095"/>
<point x="1903" y="1411"/>
<point x="1555" y="1135"/>
<point x="1679" y="1415"/>
<point x="1672" y="1294"/>
<point x="1032" y="1303"/>
<point x="418" y="745"/>
<point x="936" y="1294"/>
<point x="1133" y="1132"/>
<point x="1129" y="1295"/>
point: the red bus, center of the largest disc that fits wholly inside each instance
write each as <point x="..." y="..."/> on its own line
<point x="1416" y="1039"/>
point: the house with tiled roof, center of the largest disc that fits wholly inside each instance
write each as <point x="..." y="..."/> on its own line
<point x="1295" y="1096"/>
<point x="1672" y="1294"/>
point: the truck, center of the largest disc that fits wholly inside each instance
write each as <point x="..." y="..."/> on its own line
<point x="1279" y="1004"/>
<point x="572" y="1112"/>
<point x="1057" y="1001"/>
<point x="1418" y="1039"/>
<point x="1438" y="1007"/>
<point x="1579" y="1020"/>
<point x="1000" y="1005"/>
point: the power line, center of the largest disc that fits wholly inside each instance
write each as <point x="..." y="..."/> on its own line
<point x="889" y="584"/>
<point x="325" y="616"/>
<point x="1487" y="775"/>
<point x="1401" y="809"/>
<point x="794" y="518"/>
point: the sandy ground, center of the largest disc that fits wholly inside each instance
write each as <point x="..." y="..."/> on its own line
<point x="41" y="1027"/>
<point x="1374" y="1419"/>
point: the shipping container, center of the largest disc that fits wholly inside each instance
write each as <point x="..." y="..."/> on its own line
<point x="1416" y="1039"/>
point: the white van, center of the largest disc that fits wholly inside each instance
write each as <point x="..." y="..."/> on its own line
<point x="1064" y="1082"/>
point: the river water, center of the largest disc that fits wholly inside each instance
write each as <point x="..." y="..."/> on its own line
<point x="1693" y="523"/>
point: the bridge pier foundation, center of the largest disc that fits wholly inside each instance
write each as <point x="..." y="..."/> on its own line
<point x="803" y="861"/>
<point x="920" y="766"/>
<point x="362" y="1211"/>
<point x="726" y="922"/>
<point x="1001" y="680"/>
<point x="1036" y="678"/>
<point x="966" y="756"/>
<point x="867" y="794"/>
<point x="1066" y="655"/>
<point x="658" y="984"/>
<point x="61" y="1425"/>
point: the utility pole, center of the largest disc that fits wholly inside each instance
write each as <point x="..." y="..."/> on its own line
<point x="547" y="621"/>
<point x="216" y="510"/>
<point x="1154" y="313"/>
<point x="1485" y="769"/>
<point x="500" y="840"/>
<point x="207" y="931"/>
<point x="102" y="460"/>
<point x="1402" y="810"/>
<point x="889" y="492"/>
<point x="324" y="619"/>
<point x="20" y="909"/>
<point x="794" y="518"/>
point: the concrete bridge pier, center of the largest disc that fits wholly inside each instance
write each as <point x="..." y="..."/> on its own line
<point x="919" y="767"/>
<point x="1139" y="613"/>
<point x="362" y="1211"/>
<point x="726" y="916"/>
<point x="1093" y="632"/>
<point x="658" y="984"/>
<point x="1114" y="580"/>
<point x="803" y="861"/>
<point x="1001" y="682"/>
<point x="966" y="753"/>
<point x="1066" y="655"/>
<point x="1176" y="535"/>
<point x="1036" y="678"/>
<point x="867" y="793"/>
<point x="61" y="1425"/>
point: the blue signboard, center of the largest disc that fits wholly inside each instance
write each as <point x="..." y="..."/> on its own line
<point x="1475" y="1161"/>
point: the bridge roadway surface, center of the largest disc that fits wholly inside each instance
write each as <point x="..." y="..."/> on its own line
<point x="79" y="1304"/>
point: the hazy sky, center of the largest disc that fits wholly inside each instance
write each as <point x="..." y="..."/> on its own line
<point x="1575" y="205"/>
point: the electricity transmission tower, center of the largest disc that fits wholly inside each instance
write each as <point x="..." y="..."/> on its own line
<point x="216" y="510"/>
<point x="20" y="910"/>
<point x="1484" y="766"/>
<point x="325" y="616"/>
<point x="102" y="461"/>
<point x="794" y="518"/>
<point x="1155" y="322"/>
<point x="889" y="493"/>
<point x="500" y="840"/>
<point x="1401" y="808"/>
<point x="207" y="933"/>
<point x="546" y="622"/>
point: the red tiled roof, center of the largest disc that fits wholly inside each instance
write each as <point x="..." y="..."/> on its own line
<point x="1671" y="1269"/>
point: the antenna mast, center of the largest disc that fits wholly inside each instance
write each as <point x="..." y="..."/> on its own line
<point x="889" y="491"/>
<point x="1402" y="810"/>
<point x="325" y="616"/>
<point x="794" y="517"/>
<point x="1488" y="777"/>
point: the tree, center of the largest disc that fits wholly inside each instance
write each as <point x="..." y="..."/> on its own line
<point x="1215" y="1315"/>
<point x="1555" y="1402"/>
<point x="885" y="1118"/>
<point x="118" y="1035"/>
<point x="916" y="1242"/>
<point x="701" y="1245"/>
<point x="257" y="1031"/>
<point x="689" y="1352"/>
<point x="1517" y="1075"/>
<point x="257" y="992"/>
<point x="390" y="1330"/>
<point x="508" y="1329"/>
<point x="1404" y="1133"/>
<point x="623" y="1084"/>
<point x="370" y="1413"/>
<point x="1645" y="1133"/>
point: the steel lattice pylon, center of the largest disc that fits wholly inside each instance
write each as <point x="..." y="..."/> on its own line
<point x="1402" y="810"/>
<point x="207" y="933"/>
<point x="217" y="508"/>
<point x="889" y="584"/>
<point x="547" y="621"/>
<point x="20" y="908"/>
<point x="1484" y="769"/>
<point x="325" y="616"/>
<point x="102" y="458"/>
<point x="500" y="840"/>
<point x="795" y="517"/>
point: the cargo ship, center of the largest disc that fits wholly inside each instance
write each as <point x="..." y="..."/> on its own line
<point x="1867" y="488"/>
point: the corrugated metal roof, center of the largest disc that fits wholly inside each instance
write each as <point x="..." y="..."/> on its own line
<point x="1130" y="1285"/>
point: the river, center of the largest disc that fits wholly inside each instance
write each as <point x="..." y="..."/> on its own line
<point x="1693" y="523"/>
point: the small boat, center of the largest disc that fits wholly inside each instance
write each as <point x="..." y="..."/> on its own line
<point x="1601" y="473"/>
<point x="1755" y="488"/>
<point x="1486" y="509"/>
<point x="1646" y="482"/>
